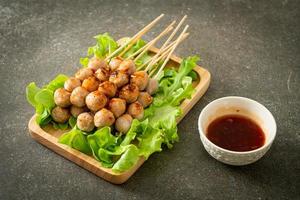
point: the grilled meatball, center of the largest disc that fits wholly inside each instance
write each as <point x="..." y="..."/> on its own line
<point x="96" y="63"/>
<point x="104" y="118"/>
<point x="119" y="78"/>
<point x="127" y="66"/>
<point x="78" y="96"/>
<point x="145" y="99"/>
<point x="108" y="88"/>
<point x="60" y="115"/>
<point x="115" y="63"/>
<point x="83" y="73"/>
<point x="102" y="74"/>
<point x="95" y="101"/>
<point x="136" y="110"/>
<point x="117" y="106"/>
<point x="91" y="83"/>
<point x="75" y="111"/>
<point x="123" y="123"/>
<point x="62" y="97"/>
<point x="152" y="86"/>
<point x="140" y="79"/>
<point x="72" y="83"/>
<point x="129" y="92"/>
<point x="85" y="122"/>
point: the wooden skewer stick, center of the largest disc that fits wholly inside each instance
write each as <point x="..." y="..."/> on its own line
<point x="154" y="59"/>
<point x="131" y="44"/>
<point x="167" y="30"/>
<point x="168" y="40"/>
<point x="135" y="37"/>
<point x="172" y="50"/>
<point x="152" y="42"/>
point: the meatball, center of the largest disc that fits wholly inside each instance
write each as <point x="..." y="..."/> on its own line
<point x="72" y="83"/>
<point x="108" y="88"/>
<point x="104" y="118"/>
<point x="85" y="122"/>
<point x="136" y="110"/>
<point x="84" y="73"/>
<point x="140" y="79"/>
<point x="96" y="63"/>
<point x="127" y="66"/>
<point x="123" y="123"/>
<point x="95" y="101"/>
<point x="60" y="115"/>
<point x="145" y="99"/>
<point x="152" y="86"/>
<point x="129" y="92"/>
<point x="119" y="78"/>
<point x="62" y="97"/>
<point x="115" y="63"/>
<point x="117" y="106"/>
<point x="91" y="83"/>
<point x="78" y="96"/>
<point x="102" y="74"/>
<point x="75" y="111"/>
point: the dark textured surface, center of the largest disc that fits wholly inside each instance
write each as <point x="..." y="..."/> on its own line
<point x="250" y="47"/>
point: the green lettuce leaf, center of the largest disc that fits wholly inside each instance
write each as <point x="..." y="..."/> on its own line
<point x="150" y="141"/>
<point x="84" y="61"/>
<point x="45" y="98"/>
<point x="164" y="118"/>
<point x="128" y="159"/>
<point x="105" y="46"/>
<point x="185" y="92"/>
<point x="102" y="138"/>
<point x="72" y="121"/>
<point x="31" y="91"/>
<point x="75" y="139"/>
<point x="57" y="82"/>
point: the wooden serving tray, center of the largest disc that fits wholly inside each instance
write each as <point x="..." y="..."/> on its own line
<point x="48" y="136"/>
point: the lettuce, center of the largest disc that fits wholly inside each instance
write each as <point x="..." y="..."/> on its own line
<point x="128" y="159"/>
<point x="42" y="99"/>
<point x="76" y="139"/>
<point x="150" y="142"/>
<point x="105" y="46"/>
<point x="144" y="58"/>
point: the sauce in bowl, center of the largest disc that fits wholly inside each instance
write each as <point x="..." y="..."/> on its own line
<point x="236" y="133"/>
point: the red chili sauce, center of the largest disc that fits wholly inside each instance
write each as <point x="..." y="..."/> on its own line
<point x="235" y="133"/>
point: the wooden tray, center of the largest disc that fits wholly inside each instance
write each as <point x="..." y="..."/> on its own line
<point x="48" y="136"/>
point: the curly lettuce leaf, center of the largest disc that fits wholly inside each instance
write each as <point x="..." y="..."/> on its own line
<point x="57" y="82"/>
<point x="185" y="92"/>
<point x="128" y="159"/>
<point x="102" y="138"/>
<point x="75" y="139"/>
<point x="150" y="142"/>
<point x="43" y="99"/>
<point x="31" y="91"/>
<point x="105" y="46"/>
<point x="163" y="118"/>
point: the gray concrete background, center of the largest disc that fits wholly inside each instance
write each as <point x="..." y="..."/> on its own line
<point x="251" y="49"/>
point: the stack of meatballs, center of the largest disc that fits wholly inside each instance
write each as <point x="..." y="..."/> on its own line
<point x="104" y="94"/>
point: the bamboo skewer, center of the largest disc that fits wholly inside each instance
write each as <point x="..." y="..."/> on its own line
<point x="168" y="40"/>
<point x="135" y="37"/>
<point x="171" y="52"/>
<point x="155" y="40"/>
<point x="132" y="43"/>
<point x="152" y="42"/>
<point x="155" y="58"/>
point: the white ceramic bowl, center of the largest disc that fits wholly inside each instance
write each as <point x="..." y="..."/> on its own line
<point x="241" y="106"/>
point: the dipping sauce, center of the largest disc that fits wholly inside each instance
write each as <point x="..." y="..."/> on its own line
<point x="235" y="133"/>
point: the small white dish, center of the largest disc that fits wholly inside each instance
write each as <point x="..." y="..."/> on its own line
<point x="241" y="106"/>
